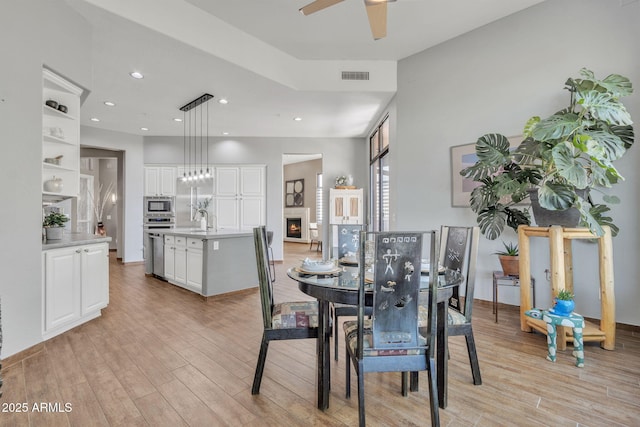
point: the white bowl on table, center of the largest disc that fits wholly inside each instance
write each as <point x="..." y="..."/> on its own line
<point x="317" y="265"/>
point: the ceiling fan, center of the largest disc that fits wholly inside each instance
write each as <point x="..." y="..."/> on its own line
<point x="376" y="11"/>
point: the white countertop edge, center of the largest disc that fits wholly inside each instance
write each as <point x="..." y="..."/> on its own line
<point x="74" y="239"/>
<point x="210" y="234"/>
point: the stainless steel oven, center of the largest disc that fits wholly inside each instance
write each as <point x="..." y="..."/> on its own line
<point x="159" y="221"/>
<point x="159" y="206"/>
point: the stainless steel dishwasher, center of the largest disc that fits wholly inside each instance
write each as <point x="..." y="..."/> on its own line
<point x="157" y="243"/>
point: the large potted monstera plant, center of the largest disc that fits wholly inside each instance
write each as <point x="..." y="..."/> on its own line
<point x="563" y="162"/>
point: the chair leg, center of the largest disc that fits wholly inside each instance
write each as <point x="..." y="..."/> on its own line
<point x="433" y="393"/>
<point x="335" y="334"/>
<point x="262" y="357"/>
<point x="405" y="385"/>
<point x="473" y="357"/>
<point x="347" y="379"/>
<point x="413" y="385"/>
<point x="361" y="408"/>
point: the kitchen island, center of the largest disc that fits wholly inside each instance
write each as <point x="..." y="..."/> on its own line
<point x="206" y="262"/>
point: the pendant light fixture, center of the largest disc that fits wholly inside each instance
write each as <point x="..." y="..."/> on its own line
<point x="190" y="140"/>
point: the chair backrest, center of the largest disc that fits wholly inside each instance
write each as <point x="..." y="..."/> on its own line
<point x="348" y="240"/>
<point x="264" y="282"/>
<point x="459" y="252"/>
<point x="396" y="288"/>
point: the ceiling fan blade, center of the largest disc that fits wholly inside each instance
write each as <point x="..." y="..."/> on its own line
<point x="318" y="5"/>
<point x="377" y="13"/>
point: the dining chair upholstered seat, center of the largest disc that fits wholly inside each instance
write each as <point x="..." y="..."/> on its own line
<point x="283" y="321"/>
<point x="453" y="317"/>
<point x="302" y="314"/>
<point x="389" y="341"/>
<point x="351" y="333"/>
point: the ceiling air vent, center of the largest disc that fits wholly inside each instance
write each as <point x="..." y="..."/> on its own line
<point x="355" y="75"/>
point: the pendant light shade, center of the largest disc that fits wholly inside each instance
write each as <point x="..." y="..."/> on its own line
<point x="196" y="145"/>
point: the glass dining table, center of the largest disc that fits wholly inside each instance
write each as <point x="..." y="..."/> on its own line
<point x="341" y="286"/>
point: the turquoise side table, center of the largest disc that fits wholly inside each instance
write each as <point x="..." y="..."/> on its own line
<point x="574" y="321"/>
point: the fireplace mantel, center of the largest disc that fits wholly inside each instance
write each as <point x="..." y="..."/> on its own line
<point x="303" y="215"/>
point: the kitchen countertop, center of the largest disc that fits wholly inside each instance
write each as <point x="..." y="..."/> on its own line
<point x="74" y="239"/>
<point x="195" y="232"/>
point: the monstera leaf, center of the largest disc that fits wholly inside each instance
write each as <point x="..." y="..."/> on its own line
<point x="556" y="197"/>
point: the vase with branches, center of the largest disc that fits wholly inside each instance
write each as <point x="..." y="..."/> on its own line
<point x="98" y="202"/>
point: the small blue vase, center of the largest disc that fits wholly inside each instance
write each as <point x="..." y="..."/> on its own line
<point x="563" y="308"/>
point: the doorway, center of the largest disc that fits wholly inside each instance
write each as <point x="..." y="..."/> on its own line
<point x="302" y="196"/>
<point x="106" y="169"/>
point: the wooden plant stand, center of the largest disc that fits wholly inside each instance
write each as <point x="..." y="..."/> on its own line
<point x="562" y="278"/>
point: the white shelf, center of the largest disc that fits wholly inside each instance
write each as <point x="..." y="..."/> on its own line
<point x="52" y="111"/>
<point x="56" y="167"/>
<point x="67" y="126"/>
<point x="50" y="138"/>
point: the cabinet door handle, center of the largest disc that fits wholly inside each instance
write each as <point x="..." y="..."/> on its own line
<point x="78" y="251"/>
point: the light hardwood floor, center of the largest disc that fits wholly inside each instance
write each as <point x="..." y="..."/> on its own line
<point x="161" y="356"/>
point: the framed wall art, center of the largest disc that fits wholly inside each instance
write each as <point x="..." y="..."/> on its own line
<point x="294" y="193"/>
<point x="463" y="156"/>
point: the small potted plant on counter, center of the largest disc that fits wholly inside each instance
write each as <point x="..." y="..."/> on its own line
<point x="509" y="259"/>
<point x="53" y="224"/>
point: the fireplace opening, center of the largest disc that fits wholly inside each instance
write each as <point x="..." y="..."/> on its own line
<point x="294" y="228"/>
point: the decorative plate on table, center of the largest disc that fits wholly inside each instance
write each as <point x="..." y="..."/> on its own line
<point x="310" y="266"/>
<point x="349" y="260"/>
<point x="334" y="270"/>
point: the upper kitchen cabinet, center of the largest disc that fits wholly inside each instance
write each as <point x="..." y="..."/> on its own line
<point x="345" y="206"/>
<point x="159" y="181"/>
<point x="240" y="196"/>
<point x="60" y="137"/>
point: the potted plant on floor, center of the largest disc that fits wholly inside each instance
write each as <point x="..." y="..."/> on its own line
<point x="564" y="303"/>
<point x="53" y="224"/>
<point x="562" y="161"/>
<point x="509" y="259"/>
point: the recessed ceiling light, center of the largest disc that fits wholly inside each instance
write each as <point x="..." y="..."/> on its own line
<point x="225" y="133"/>
<point x="95" y="119"/>
<point x="136" y="75"/>
<point x="177" y="119"/>
<point x="297" y="119"/>
<point x="109" y="104"/>
<point x="145" y="129"/>
<point x="223" y="101"/>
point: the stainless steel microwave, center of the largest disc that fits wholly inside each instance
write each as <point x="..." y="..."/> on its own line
<point x="159" y="206"/>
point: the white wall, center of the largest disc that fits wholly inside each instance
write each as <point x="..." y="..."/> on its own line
<point x="340" y="156"/>
<point x="31" y="36"/>
<point x="492" y="80"/>
<point x="133" y="190"/>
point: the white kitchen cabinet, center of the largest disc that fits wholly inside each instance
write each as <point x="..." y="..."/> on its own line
<point x="175" y="261"/>
<point x="194" y="264"/>
<point x="159" y="181"/>
<point x="239" y="196"/>
<point x="75" y="286"/>
<point x="60" y="137"/>
<point x="183" y="263"/>
<point x="345" y="206"/>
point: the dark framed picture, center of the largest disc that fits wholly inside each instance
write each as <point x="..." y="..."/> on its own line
<point x="463" y="156"/>
<point x="294" y="193"/>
